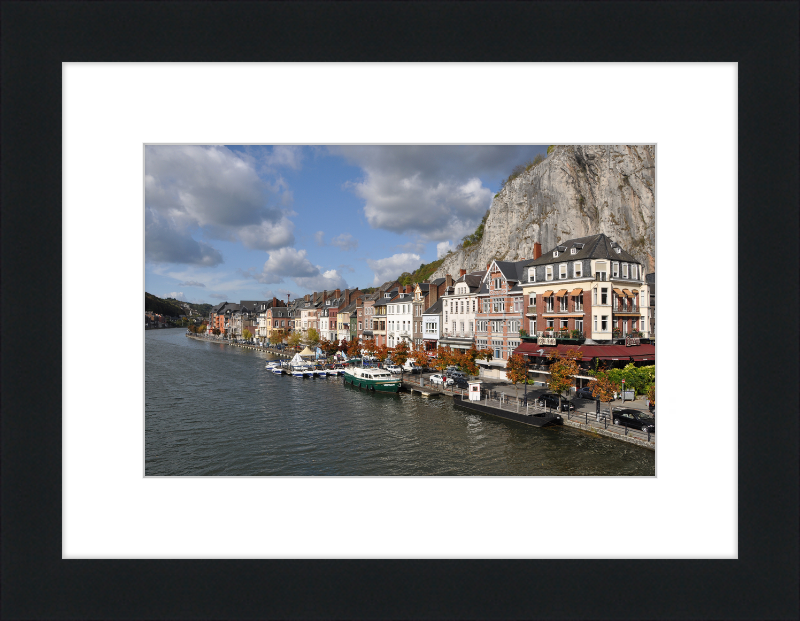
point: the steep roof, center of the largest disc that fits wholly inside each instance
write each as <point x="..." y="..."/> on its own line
<point x="435" y="309"/>
<point x="592" y="247"/>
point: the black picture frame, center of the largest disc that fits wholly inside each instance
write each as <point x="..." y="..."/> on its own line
<point x="38" y="37"/>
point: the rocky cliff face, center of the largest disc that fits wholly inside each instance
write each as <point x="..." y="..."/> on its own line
<point x="577" y="191"/>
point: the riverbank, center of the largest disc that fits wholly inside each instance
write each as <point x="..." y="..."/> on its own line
<point x="499" y="402"/>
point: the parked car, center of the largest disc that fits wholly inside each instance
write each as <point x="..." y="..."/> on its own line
<point x="457" y="375"/>
<point x="635" y="419"/>
<point x="459" y="382"/>
<point x="585" y="393"/>
<point x="437" y="378"/>
<point x="549" y="400"/>
<point x="412" y="367"/>
<point x="392" y="368"/>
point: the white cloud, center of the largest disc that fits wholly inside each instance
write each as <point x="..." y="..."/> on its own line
<point x="191" y="283"/>
<point x="345" y="241"/>
<point x="215" y="192"/>
<point x="294" y="264"/>
<point x="443" y="247"/>
<point x="391" y="267"/>
<point x="178" y="295"/>
<point x="285" y="155"/>
<point x="319" y="238"/>
<point x="437" y="192"/>
<point x="330" y="279"/>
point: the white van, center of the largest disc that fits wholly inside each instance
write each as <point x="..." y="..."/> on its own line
<point x="412" y="367"/>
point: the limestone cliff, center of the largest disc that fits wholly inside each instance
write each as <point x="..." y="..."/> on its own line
<point x="577" y="191"/>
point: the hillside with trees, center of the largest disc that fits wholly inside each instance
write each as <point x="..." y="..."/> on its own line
<point x="171" y="307"/>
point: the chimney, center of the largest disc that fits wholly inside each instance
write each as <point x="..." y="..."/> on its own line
<point x="274" y="302"/>
<point x="324" y="295"/>
<point x="307" y="297"/>
<point x="537" y="250"/>
<point x="338" y="293"/>
<point x="462" y="272"/>
<point x="448" y="281"/>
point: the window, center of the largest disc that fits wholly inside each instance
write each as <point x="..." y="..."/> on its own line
<point x="625" y="326"/>
<point x="473" y="306"/>
<point x="555" y="253"/>
<point x="563" y="303"/>
<point x="498" y="305"/>
<point x="532" y="299"/>
<point x="604" y="323"/>
<point x="532" y="274"/>
<point x="462" y="306"/>
<point x="565" y="323"/>
<point x="614" y="270"/>
<point x="577" y="269"/>
<point x="485" y="306"/>
<point x="595" y="323"/>
<point x="603" y="296"/>
<point x="624" y="270"/>
<point x="517" y="305"/>
<point x="573" y="251"/>
<point x="633" y="271"/>
<point x="579" y="325"/>
<point x="548" y="272"/>
<point x="618" y="250"/>
<point x="550" y="324"/>
<point x="532" y="326"/>
<point x="600" y="270"/>
<point x="577" y="302"/>
<point x="548" y="304"/>
<point x="454" y="326"/>
<point x="470" y="327"/>
<point x="562" y="270"/>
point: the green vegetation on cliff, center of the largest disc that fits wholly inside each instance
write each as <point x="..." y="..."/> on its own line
<point x="171" y="307"/>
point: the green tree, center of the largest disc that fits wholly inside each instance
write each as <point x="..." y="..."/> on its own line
<point x="516" y="370"/>
<point x="563" y="369"/>
<point x="295" y="339"/>
<point x="276" y="337"/>
<point x="313" y="337"/>
<point x="246" y="334"/>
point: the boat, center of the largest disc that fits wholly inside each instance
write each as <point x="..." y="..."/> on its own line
<point x="278" y="370"/>
<point x="375" y="380"/>
<point x="273" y="363"/>
<point x="321" y="372"/>
<point x="308" y="372"/>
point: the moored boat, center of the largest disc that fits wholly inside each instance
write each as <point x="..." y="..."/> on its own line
<point x="376" y="380"/>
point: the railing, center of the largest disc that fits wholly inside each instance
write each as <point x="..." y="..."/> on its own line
<point x="531" y="310"/>
<point x="623" y="309"/>
<point x="562" y="334"/>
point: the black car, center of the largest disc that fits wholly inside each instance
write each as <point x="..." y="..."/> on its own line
<point x="460" y="382"/>
<point x="551" y="401"/>
<point x="635" y="419"/>
<point x="585" y="393"/>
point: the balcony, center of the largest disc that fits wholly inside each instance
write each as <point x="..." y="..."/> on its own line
<point x="531" y="310"/>
<point x="563" y="336"/>
<point x="625" y="309"/>
<point x="563" y="311"/>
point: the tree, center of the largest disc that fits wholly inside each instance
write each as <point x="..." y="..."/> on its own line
<point x="563" y="369"/>
<point x="382" y="353"/>
<point x="419" y="356"/>
<point x="651" y="395"/>
<point x="369" y="346"/>
<point x="313" y="336"/>
<point x="603" y="388"/>
<point x="247" y="335"/>
<point x="400" y="355"/>
<point x="443" y="359"/>
<point x="353" y="347"/>
<point x="202" y="328"/>
<point x="216" y="332"/>
<point x="342" y="346"/>
<point x="276" y="337"/>
<point x="295" y="339"/>
<point x="517" y="370"/>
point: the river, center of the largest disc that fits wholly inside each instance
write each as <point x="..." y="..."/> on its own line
<point x="213" y="409"/>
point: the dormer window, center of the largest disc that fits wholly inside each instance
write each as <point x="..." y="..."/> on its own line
<point x="619" y="250"/>
<point x="555" y="253"/>
<point x="573" y="251"/>
<point x="615" y="270"/>
<point x="532" y="274"/>
<point x="562" y="271"/>
<point x="548" y="272"/>
<point x="624" y="270"/>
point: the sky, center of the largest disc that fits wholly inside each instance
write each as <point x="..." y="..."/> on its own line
<point x="231" y="223"/>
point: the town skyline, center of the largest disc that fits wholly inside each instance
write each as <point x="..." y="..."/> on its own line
<point x="255" y="222"/>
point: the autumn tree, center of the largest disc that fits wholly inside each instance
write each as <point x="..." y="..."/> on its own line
<point x="419" y="356"/>
<point x="443" y="359"/>
<point x="354" y="348"/>
<point x="400" y="355"/>
<point x="563" y="369"/>
<point x="369" y="346"/>
<point x="276" y="337"/>
<point x="312" y="338"/>
<point x="651" y="394"/>
<point x="216" y="331"/>
<point x="342" y="346"/>
<point x="382" y="353"/>
<point x="247" y="335"/>
<point x="295" y="339"/>
<point x="517" y="370"/>
<point x="202" y="328"/>
<point x="603" y="388"/>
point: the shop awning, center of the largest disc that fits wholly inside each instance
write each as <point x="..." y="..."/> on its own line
<point x="635" y="291"/>
<point x="646" y="352"/>
<point x="627" y="293"/>
<point x="561" y="293"/>
<point x="547" y="293"/>
<point x="577" y="291"/>
<point x="618" y="291"/>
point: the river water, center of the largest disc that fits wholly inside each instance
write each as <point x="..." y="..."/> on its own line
<point x="213" y="409"/>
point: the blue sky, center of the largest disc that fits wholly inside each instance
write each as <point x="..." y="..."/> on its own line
<point x="252" y="222"/>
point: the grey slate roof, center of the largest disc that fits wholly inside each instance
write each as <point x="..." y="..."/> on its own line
<point x="593" y="247"/>
<point x="437" y="282"/>
<point x="650" y="278"/>
<point x="436" y="309"/>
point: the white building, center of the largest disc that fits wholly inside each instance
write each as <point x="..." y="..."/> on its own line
<point x="460" y="305"/>
<point x="431" y="325"/>
<point x="399" y="318"/>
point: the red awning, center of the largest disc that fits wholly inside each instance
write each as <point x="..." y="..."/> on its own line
<point x="602" y="352"/>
